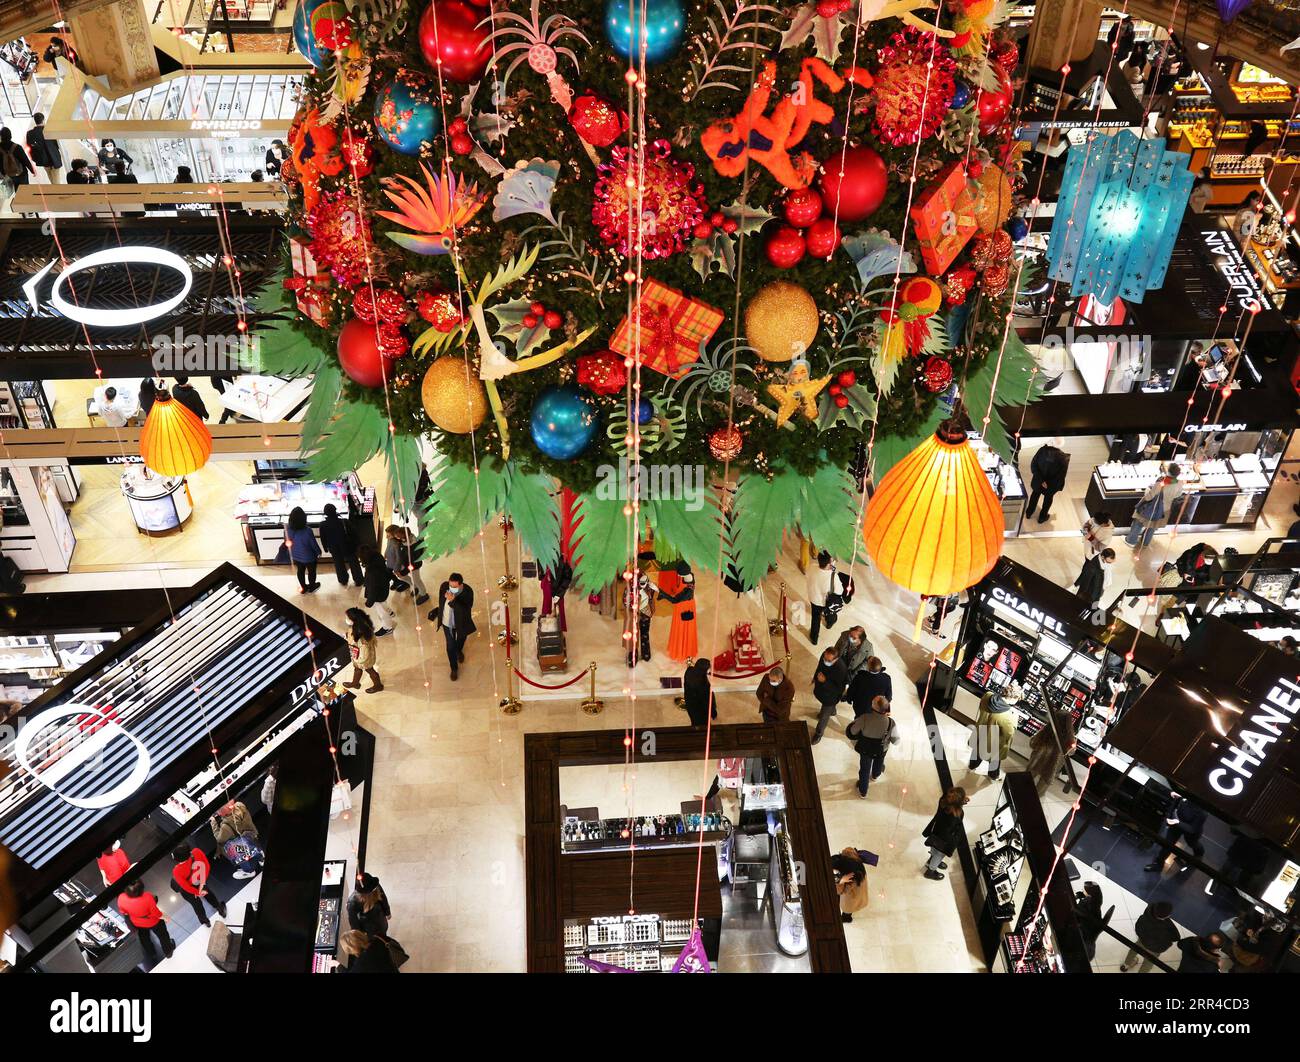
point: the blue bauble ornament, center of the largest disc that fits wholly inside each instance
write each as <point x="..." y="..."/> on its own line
<point x="1018" y="229"/>
<point x="303" y="36"/>
<point x="665" y="22"/>
<point x="644" y="411"/>
<point x="563" y="422"/>
<point x="960" y="95"/>
<point x="406" y="114"/>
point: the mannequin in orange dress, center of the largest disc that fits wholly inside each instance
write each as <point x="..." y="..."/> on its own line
<point x="678" y="586"/>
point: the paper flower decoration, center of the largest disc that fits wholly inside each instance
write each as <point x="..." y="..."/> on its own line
<point x="671" y="202"/>
<point x="536" y="40"/>
<point x="914" y="87"/>
<point x="876" y="253"/>
<point x="526" y="189"/>
<point x="432" y="212"/>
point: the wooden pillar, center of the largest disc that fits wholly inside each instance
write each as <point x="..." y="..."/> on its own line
<point x="114" y="42"/>
<point x="1063" y="31"/>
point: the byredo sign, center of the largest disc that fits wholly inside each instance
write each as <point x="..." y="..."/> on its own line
<point x="110" y="318"/>
<point x="1256" y="739"/>
<point x="1035" y="615"/>
<point x="224" y="125"/>
<point x="62" y="755"/>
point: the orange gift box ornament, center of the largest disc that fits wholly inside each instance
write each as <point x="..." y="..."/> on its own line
<point x="671" y="329"/>
<point x="944" y="219"/>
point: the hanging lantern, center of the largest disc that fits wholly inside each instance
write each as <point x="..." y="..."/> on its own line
<point x="934" y="524"/>
<point x="173" y="441"/>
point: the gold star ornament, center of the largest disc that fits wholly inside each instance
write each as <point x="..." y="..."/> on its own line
<point x="798" y="392"/>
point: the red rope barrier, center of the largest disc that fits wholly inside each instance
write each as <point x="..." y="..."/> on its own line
<point x="524" y="678"/>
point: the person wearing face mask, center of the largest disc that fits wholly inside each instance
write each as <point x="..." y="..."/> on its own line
<point x="454" y="616"/>
<point x="819" y="583"/>
<point x="872" y="733"/>
<point x="1094" y="578"/>
<point x="361" y="643"/>
<point x="828" y="688"/>
<point x="775" y="697"/>
<point x="678" y="587"/>
<point x="109" y="153"/>
<point x="854" y="649"/>
<point x="871" y="682"/>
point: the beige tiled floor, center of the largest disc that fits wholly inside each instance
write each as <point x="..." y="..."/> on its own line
<point x="446" y="834"/>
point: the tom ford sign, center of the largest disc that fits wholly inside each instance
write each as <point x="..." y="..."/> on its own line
<point x="1256" y="739"/>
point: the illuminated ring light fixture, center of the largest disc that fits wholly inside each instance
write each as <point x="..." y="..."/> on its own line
<point x="89" y="315"/>
<point x="934" y="524"/>
<point x="173" y="441"/>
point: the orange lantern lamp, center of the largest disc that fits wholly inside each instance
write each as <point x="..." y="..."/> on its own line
<point x="173" y="441"/>
<point x="934" y="524"/>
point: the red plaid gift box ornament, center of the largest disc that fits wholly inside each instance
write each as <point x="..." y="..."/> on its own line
<point x="310" y="284"/>
<point x="672" y="327"/>
<point x="944" y="219"/>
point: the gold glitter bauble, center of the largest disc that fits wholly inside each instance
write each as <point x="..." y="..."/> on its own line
<point x="453" y="396"/>
<point x="781" y="321"/>
<point x="993" y="199"/>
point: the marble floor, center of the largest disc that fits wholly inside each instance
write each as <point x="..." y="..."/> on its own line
<point x="446" y="828"/>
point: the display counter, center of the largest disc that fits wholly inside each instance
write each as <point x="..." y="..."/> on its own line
<point x="266" y="399"/>
<point x="31" y="663"/>
<point x="158" y="503"/>
<point x="1005" y="479"/>
<point x="263" y="508"/>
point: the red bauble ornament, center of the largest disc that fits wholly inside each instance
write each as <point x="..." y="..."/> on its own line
<point x="450" y="37"/>
<point x="802" y="207"/>
<point x="847" y="378"/>
<point x="725" y="443"/>
<point x="785" y="248"/>
<point x="854" y="189"/>
<point x="1007" y="56"/>
<point x="822" y="237"/>
<point x="363" y="305"/>
<point x="994" y="106"/>
<point x="596" y="120"/>
<point x="552" y="320"/>
<point x="462" y="144"/>
<point x="602" y="373"/>
<point x="440" y="309"/>
<point x="358" y="153"/>
<point x="390" y="307"/>
<point x="360" y="354"/>
<point x="392" y="341"/>
<point x="936" y="375"/>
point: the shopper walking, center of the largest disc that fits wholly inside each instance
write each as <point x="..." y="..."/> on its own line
<point x="1087" y="909"/>
<point x="829" y="681"/>
<point x="236" y="833"/>
<point x="187" y="395"/>
<point x="366" y="954"/>
<point x="819" y="584"/>
<point x="994" y="726"/>
<point x="190" y="878"/>
<point x="361" y="643"/>
<point x="872" y="733"/>
<point x="775" y="696"/>
<point x="1049" y="748"/>
<point x="404" y="556"/>
<point x="850" y="882"/>
<point x="697" y="693"/>
<point x="854" y="649"/>
<point x="943" y="830"/>
<point x="1154" y="508"/>
<point x="15" y="166"/>
<point x="1201" y="954"/>
<point x="303" y="550"/>
<point x="368" y="908"/>
<point x="377" y="584"/>
<point x="337" y="540"/>
<point x="113" y="862"/>
<point x="1047" y="471"/>
<point x="871" y="682"/>
<point x="146" y="918"/>
<point x="1156" y="932"/>
<point x="1097" y="531"/>
<point x="1093" y="581"/>
<point x="45" y="153"/>
<point x="454" y="615"/>
<point x="1183" y="821"/>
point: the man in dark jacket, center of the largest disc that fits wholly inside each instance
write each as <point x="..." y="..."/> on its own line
<point x="1156" y="932"/>
<point x="377" y="583"/>
<point x="45" y="153"/>
<point x="1200" y="954"/>
<point x="871" y="682"/>
<point x="1046" y="477"/>
<point x="185" y="393"/>
<point x="341" y="546"/>
<point x="1092" y="580"/>
<point x="775" y="696"/>
<point x="872" y="733"/>
<point x="829" y="681"/>
<point x="1184" y="819"/>
<point x="1121" y="37"/>
<point x="453" y="613"/>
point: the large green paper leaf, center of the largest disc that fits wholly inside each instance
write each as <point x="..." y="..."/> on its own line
<point x="692" y="535"/>
<point x="404" y="468"/>
<point x="764" y="509"/>
<point x="829" y="513"/>
<point x="1013" y="388"/>
<point x="533" y="510"/>
<point x="358" y="433"/>
<point x="460" y="505"/>
<point x="600" y="541"/>
<point x="281" y="349"/>
<point x="325" y="389"/>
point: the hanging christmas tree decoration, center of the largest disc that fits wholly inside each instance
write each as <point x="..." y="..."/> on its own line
<point x="432" y="212"/>
<point x="453" y="40"/>
<point x="781" y="321"/>
<point x="798" y="393"/>
<point x="934" y="525"/>
<point x="340" y="238"/>
<point x="659" y="30"/>
<point x="538" y="41"/>
<point x="603" y="373"/>
<point x="853" y="184"/>
<point x="994" y="104"/>
<point x="726" y="443"/>
<point x="786" y="247"/>
<point x="823" y="238"/>
<point x="957" y="285"/>
<point x="440" y="308"/>
<point x="936" y="374"/>
<point x="664" y="188"/>
<point x="914" y="87"/>
<point x="360" y="355"/>
<point x="391" y="307"/>
<point x="563" y="422"/>
<point x="304" y="38"/>
<point x="801" y="207"/>
<point x="597" y="121"/>
<point x="452" y="396"/>
<point x="996" y="278"/>
<point x="406" y="112"/>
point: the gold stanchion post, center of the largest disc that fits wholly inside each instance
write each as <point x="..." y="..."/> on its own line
<point x="593" y="705"/>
